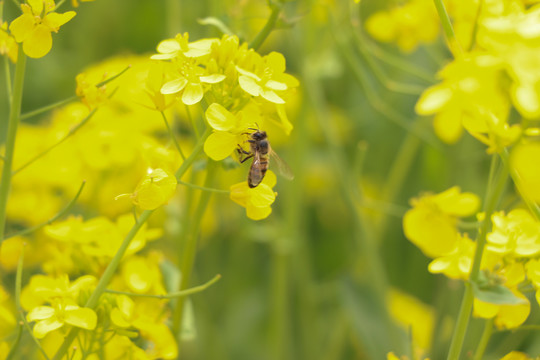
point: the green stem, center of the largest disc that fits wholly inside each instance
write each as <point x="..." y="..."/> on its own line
<point x="173" y="137"/>
<point x="14" y="118"/>
<point x="268" y="27"/>
<point x="71" y="132"/>
<point x="219" y="191"/>
<point x="399" y="171"/>
<point x="476" y="25"/>
<point x="8" y="77"/>
<point x="380" y="106"/>
<point x="493" y="194"/>
<point x="48" y="107"/>
<point x="15" y="345"/>
<point x="453" y="44"/>
<point x="190" y="249"/>
<point x="484" y="340"/>
<point x="53" y="219"/>
<point x="173" y="295"/>
<point x="69" y="99"/>
<point x="196" y="151"/>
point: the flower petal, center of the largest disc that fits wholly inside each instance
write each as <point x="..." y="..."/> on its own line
<point x="22" y="27"/>
<point x="81" y="317"/>
<point x="55" y="20"/>
<point x="44" y="327"/>
<point x="212" y="79"/>
<point x="220" y="118"/>
<point x="174" y="86"/>
<point x="433" y="99"/>
<point x="38" y="43"/>
<point x="219" y="145"/>
<point x="272" y="97"/>
<point x="193" y="93"/>
<point x="249" y="85"/>
<point x="40" y="313"/>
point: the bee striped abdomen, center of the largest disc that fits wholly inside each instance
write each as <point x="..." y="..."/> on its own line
<point x="257" y="171"/>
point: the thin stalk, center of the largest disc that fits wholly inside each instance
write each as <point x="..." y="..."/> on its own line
<point x="202" y="188"/>
<point x="53" y="219"/>
<point x="8" y="77"/>
<point x="71" y="132"/>
<point x="476" y="25"/>
<point x="484" y="340"/>
<point x="268" y="27"/>
<point x="392" y="60"/>
<point x="399" y="171"/>
<point x="196" y="151"/>
<point x="46" y="108"/>
<point x="173" y="137"/>
<point x="190" y="249"/>
<point x="448" y="29"/>
<point x="173" y="295"/>
<point x="493" y="194"/>
<point x="13" y="123"/>
<point x="69" y="99"/>
<point x="380" y="106"/>
<point x="16" y="343"/>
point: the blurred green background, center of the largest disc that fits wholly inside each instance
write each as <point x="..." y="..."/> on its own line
<point x="310" y="282"/>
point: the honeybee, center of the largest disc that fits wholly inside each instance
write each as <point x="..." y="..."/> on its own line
<point x="260" y="151"/>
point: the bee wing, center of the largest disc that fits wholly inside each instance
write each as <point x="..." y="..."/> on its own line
<point x="282" y="167"/>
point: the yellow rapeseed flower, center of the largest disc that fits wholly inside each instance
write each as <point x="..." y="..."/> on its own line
<point x="33" y="28"/>
<point x="50" y="318"/>
<point x="8" y="45"/>
<point x="470" y="89"/>
<point x="516" y="234"/>
<point x="431" y="224"/>
<point x="408" y="25"/>
<point x="258" y="200"/>
<point x="155" y="189"/>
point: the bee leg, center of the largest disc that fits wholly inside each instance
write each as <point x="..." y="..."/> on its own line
<point x="242" y="154"/>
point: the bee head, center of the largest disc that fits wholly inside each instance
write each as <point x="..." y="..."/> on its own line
<point x="259" y="135"/>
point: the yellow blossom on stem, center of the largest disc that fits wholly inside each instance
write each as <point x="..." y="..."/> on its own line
<point x="8" y="45"/>
<point x="431" y="224"/>
<point x="257" y="200"/>
<point x="33" y="28"/>
<point x="268" y="81"/>
<point x="155" y="189"/>
<point x="181" y="47"/>
<point x="91" y="95"/>
<point x="229" y="130"/>
<point x="458" y="263"/>
<point x="470" y="85"/>
<point x="516" y="234"/>
<point x="506" y="316"/>
<point x="190" y="79"/>
<point x="49" y="318"/>
<point x="408" y="24"/>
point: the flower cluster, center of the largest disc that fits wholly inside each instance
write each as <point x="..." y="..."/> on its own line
<point x="510" y="260"/>
<point x="245" y="91"/>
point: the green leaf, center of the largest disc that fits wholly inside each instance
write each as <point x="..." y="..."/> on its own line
<point x="496" y="294"/>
